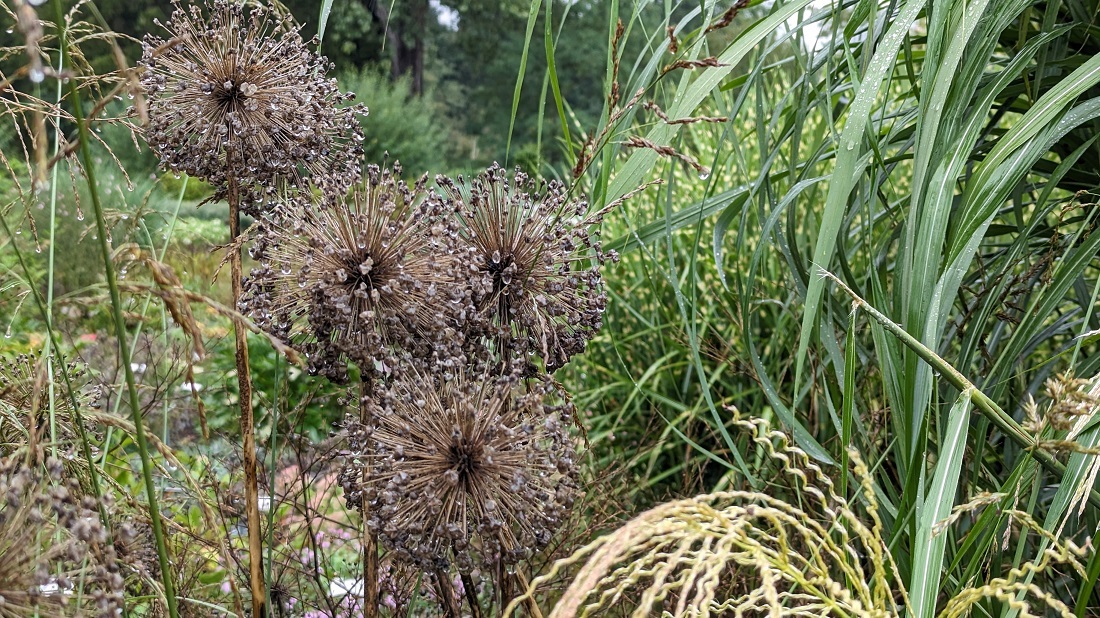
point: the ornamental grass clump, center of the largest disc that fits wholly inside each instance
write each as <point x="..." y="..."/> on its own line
<point x="235" y="95"/>
<point x="742" y="552"/>
<point x="749" y="553"/>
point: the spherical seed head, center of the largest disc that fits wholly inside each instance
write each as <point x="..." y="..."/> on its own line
<point x="364" y="279"/>
<point x="235" y="93"/>
<point x="479" y="471"/>
<point x="534" y="259"/>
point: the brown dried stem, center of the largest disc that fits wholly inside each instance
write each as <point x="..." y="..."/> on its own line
<point x="244" y="382"/>
<point x="370" y="538"/>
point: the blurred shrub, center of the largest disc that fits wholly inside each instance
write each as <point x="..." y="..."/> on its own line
<point x="195" y="190"/>
<point x="411" y="129"/>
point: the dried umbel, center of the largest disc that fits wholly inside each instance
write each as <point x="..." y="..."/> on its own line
<point x="366" y="279"/>
<point x="533" y="263"/>
<point x="479" y="471"/>
<point x="235" y="94"/>
<point x="25" y="403"/>
<point x="52" y="541"/>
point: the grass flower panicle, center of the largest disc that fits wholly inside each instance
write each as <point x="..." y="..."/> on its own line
<point x="235" y="93"/>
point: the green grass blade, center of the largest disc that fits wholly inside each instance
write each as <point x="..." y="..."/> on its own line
<point x="930" y="543"/>
<point x="322" y="21"/>
<point x="532" y="17"/>
<point x="849" y="404"/>
<point x="847" y="169"/>
<point x="552" y="71"/>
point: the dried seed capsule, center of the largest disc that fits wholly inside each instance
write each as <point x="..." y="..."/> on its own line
<point x="534" y="258"/>
<point x="235" y="93"/>
<point x="480" y="477"/>
<point x="348" y="282"/>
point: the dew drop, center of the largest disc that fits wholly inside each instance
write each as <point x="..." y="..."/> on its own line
<point x="79" y="216"/>
<point x="36" y="75"/>
<point x="704" y="174"/>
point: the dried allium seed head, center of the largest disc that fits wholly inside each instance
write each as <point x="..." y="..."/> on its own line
<point x="479" y="470"/>
<point x="365" y="279"/>
<point x="24" y="394"/>
<point x="235" y="93"/>
<point x="528" y="247"/>
<point x="50" y="542"/>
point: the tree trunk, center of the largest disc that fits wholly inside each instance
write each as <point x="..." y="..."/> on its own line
<point x="404" y="37"/>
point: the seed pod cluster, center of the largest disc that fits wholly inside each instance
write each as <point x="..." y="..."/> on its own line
<point x="455" y="305"/>
<point x="234" y="95"/>
<point x="51" y="541"/>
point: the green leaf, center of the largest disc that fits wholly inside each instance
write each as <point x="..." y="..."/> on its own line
<point x="929" y="545"/>
<point x="322" y="21"/>
<point x="847" y="169"/>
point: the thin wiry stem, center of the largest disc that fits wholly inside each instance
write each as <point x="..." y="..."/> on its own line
<point x="50" y="270"/>
<point x="120" y="324"/>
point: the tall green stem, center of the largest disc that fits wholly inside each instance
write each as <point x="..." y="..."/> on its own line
<point x="120" y="323"/>
<point x="981" y="401"/>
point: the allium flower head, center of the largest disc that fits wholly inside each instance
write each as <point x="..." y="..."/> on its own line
<point x="234" y="92"/>
<point x="482" y="470"/>
<point x="359" y="279"/>
<point x="534" y="260"/>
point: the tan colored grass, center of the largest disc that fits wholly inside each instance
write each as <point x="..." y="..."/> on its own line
<point x="745" y="553"/>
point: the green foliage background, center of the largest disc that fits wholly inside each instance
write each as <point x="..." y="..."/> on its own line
<point x="940" y="159"/>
